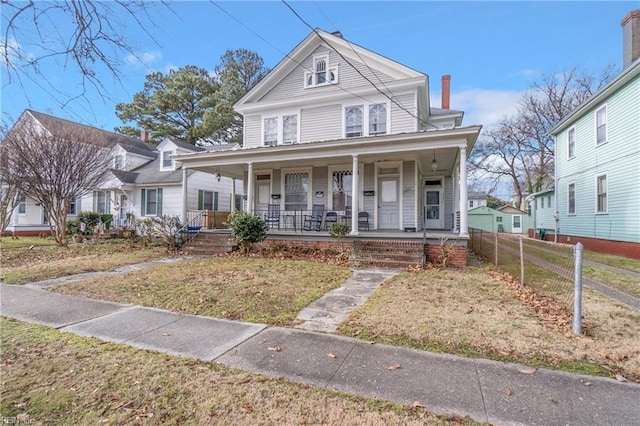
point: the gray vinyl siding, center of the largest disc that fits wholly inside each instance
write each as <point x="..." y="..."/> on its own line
<point x="321" y="123"/>
<point x="618" y="158"/>
<point x="292" y="86"/>
<point x="319" y="184"/>
<point x="401" y="120"/>
<point x="252" y="131"/>
<point x="408" y="192"/>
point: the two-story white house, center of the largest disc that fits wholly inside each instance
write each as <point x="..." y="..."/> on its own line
<point x="143" y="181"/>
<point x="598" y="161"/>
<point x="338" y="126"/>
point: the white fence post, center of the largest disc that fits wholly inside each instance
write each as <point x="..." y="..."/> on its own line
<point x="577" y="301"/>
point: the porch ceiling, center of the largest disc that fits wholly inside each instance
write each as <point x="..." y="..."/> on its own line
<point x="422" y="146"/>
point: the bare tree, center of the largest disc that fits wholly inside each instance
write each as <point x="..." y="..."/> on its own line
<point x="9" y="194"/>
<point x="520" y="149"/>
<point x="86" y="35"/>
<point x="54" y="167"/>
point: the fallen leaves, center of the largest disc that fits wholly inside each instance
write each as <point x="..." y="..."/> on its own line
<point x="394" y="367"/>
<point x="417" y="404"/>
<point x="274" y="349"/>
<point x="529" y="370"/>
<point x="507" y="391"/>
<point x="330" y="355"/>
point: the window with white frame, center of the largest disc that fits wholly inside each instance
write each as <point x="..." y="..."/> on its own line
<point x="151" y="201"/>
<point x="296" y="191"/>
<point x="571" y="197"/>
<point x="167" y="161"/>
<point x="353" y="121"/>
<point x="22" y="204"/>
<point x="271" y="131"/>
<point x="601" y="125"/>
<point x="289" y="129"/>
<point x="118" y="162"/>
<point x="101" y="202"/>
<point x="571" y="142"/>
<point x="601" y="193"/>
<point x="207" y="200"/>
<point x="72" y="206"/>
<point x="470" y="204"/>
<point x="322" y="73"/>
<point x="542" y="202"/>
<point x="342" y="189"/>
<point x="377" y="119"/>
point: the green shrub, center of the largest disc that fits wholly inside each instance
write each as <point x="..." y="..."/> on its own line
<point x="73" y="227"/>
<point x="91" y="221"/>
<point x="247" y="229"/>
<point x="339" y="231"/>
<point x="106" y="219"/>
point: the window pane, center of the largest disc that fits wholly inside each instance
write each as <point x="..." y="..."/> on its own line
<point x="516" y="221"/>
<point x="601" y="125"/>
<point x="290" y="129"/>
<point x="378" y="119"/>
<point x="207" y="200"/>
<point x="389" y="190"/>
<point x="152" y="202"/>
<point x="166" y="159"/>
<point x="296" y="188"/>
<point x="572" y="143"/>
<point x="602" y="194"/>
<point x="433" y="197"/>
<point x="353" y="120"/>
<point x="572" y="198"/>
<point x="22" y="204"/>
<point x="270" y="131"/>
<point x="263" y="193"/>
<point x="321" y="72"/>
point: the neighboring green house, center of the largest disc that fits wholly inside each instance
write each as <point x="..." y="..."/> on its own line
<point x="598" y="161"/>
<point x="507" y="219"/>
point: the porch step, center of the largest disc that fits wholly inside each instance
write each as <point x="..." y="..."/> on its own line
<point x="387" y="253"/>
<point x="209" y="244"/>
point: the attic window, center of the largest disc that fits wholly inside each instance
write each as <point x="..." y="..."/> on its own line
<point x="167" y="161"/>
<point x="322" y="72"/>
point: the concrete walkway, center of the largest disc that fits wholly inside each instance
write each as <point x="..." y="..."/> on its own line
<point x="488" y="391"/>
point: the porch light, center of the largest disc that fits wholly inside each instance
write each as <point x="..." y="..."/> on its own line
<point x="218" y="175"/>
<point x="434" y="163"/>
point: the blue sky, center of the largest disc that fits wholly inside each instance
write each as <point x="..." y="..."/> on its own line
<point x="493" y="50"/>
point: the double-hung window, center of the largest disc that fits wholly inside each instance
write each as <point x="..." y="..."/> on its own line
<point x="151" y="201"/>
<point x="207" y="200"/>
<point x="571" y="197"/>
<point x="101" y="202"/>
<point x="601" y="125"/>
<point x="118" y="162"/>
<point x="571" y="142"/>
<point x="271" y="131"/>
<point x="296" y="191"/>
<point x="22" y="204"/>
<point x="601" y="193"/>
<point x="353" y="121"/>
<point x="167" y="161"/>
<point x="377" y="119"/>
<point x="72" y="206"/>
<point x="289" y="129"/>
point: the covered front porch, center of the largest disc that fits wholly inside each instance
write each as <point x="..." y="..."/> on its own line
<point x="403" y="185"/>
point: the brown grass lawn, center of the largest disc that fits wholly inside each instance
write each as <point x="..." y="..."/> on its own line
<point x="55" y="378"/>
<point x="250" y="289"/>
<point x="21" y="264"/>
<point x="471" y="313"/>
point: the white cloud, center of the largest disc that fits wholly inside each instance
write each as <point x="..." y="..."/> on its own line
<point x="146" y="59"/>
<point x="12" y="54"/>
<point x="528" y="74"/>
<point x="486" y="107"/>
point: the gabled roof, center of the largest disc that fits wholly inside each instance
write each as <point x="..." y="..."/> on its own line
<point x="183" y="145"/>
<point x="103" y="137"/>
<point x="631" y="72"/>
<point x="317" y="38"/>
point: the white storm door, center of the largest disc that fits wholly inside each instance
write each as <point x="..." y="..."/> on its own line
<point x="516" y="224"/>
<point x="388" y="203"/>
<point x="433" y="209"/>
<point x="263" y="194"/>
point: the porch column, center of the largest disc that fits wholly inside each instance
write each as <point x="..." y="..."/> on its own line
<point x="464" y="227"/>
<point x="184" y="196"/>
<point x="233" y="194"/>
<point x="250" y="188"/>
<point x="355" y="208"/>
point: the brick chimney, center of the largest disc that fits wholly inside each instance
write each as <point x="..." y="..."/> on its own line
<point x="144" y="135"/>
<point x="630" y="38"/>
<point x="446" y="91"/>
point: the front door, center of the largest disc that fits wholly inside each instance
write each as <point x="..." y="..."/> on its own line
<point x="516" y="224"/>
<point x="433" y="209"/>
<point x="124" y="210"/>
<point x="388" y="203"/>
<point x="263" y="193"/>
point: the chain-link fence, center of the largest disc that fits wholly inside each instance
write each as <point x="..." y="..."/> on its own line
<point x="547" y="268"/>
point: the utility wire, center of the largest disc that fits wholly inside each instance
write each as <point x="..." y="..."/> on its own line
<point x="402" y="107"/>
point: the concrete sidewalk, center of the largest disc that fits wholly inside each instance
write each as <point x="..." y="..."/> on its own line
<point x="487" y="391"/>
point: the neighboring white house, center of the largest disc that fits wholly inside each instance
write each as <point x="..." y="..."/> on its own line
<point x="597" y="159"/>
<point x="341" y="127"/>
<point x="541" y="209"/>
<point x="143" y="181"/>
<point x="477" y="199"/>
